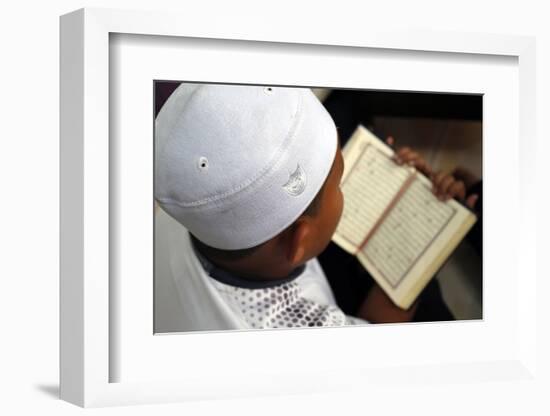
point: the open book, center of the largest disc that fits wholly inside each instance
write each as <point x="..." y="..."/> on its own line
<point x="399" y="231"/>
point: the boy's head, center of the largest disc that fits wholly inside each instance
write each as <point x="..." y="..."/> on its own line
<point x="251" y="172"/>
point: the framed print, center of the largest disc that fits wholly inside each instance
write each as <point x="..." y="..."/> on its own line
<point x="414" y="230"/>
<point x="111" y="354"/>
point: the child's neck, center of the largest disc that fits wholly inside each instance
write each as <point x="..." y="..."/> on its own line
<point x="257" y="266"/>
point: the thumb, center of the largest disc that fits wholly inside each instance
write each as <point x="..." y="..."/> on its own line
<point x="471" y="201"/>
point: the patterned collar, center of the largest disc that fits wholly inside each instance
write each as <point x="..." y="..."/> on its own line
<point x="224" y="276"/>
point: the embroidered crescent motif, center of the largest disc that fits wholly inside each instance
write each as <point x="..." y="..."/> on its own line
<point x="296" y="182"/>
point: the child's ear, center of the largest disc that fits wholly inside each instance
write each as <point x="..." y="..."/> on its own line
<point x="298" y="244"/>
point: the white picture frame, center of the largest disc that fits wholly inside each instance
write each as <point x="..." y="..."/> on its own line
<point x="87" y="328"/>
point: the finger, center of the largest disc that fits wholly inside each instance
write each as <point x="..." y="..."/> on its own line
<point x="411" y="157"/>
<point x="402" y="155"/>
<point x="403" y="151"/>
<point x="471" y="201"/>
<point x="457" y="190"/>
<point x="423" y="166"/>
<point x="436" y="178"/>
<point x="443" y="188"/>
<point x="390" y="141"/>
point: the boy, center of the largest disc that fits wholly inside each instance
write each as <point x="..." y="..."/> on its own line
<point x="248" y="182"/>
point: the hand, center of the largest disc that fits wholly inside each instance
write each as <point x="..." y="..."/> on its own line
<point x="378" y="308"/>
<point x="446" y="186"/>
<point x="405" y="155"/>
<point x="466" y="176"/>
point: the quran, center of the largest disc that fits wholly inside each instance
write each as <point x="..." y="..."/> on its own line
<point x="392" y="222"/>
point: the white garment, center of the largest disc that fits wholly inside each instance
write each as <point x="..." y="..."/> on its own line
<point x="188" y="299"/>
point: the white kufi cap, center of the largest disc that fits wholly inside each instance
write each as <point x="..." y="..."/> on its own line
<point x="236" y="165"/>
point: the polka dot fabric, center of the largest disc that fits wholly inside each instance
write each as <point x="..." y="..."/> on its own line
<point x="280" y="307"/>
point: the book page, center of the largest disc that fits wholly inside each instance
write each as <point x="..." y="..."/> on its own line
<point x="408" y="230"/>
<point x="370" y="183"/>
